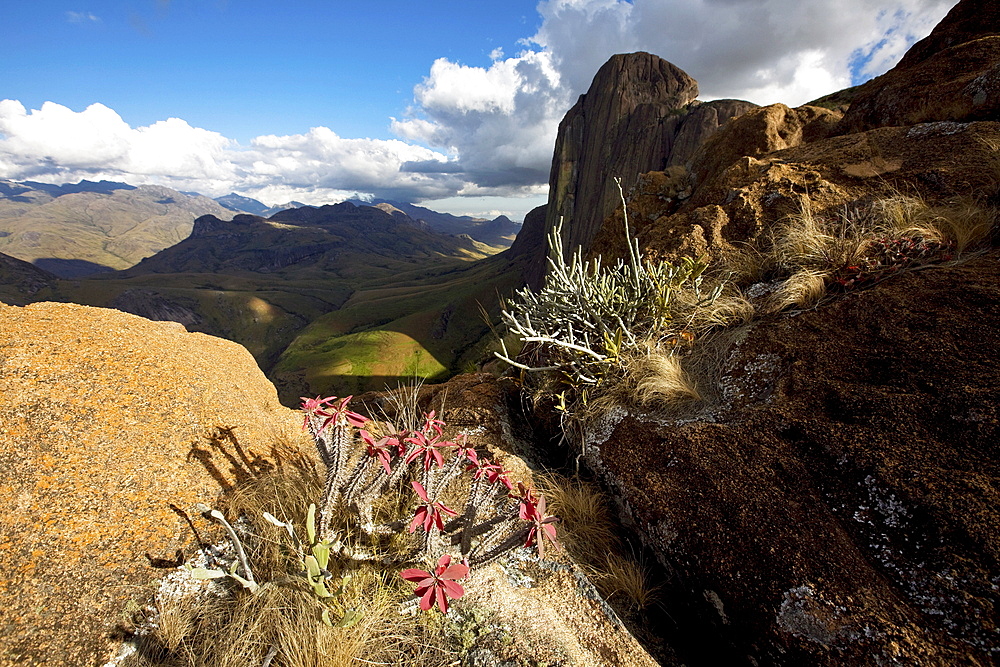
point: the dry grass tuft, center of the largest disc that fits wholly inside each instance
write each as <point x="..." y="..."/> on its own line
<point x="808" y="241"/>
<point x="590" y="534"/>
<point x="803" y="289"/>
<point x="660" y="378"/>
<point x="283" y="620"/>
<point x="627" y="579"/>
<point x="586" y="525"/>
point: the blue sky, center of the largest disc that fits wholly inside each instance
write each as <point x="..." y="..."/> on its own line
<point x="450" y="104"/>
<point x="244" y="67"/>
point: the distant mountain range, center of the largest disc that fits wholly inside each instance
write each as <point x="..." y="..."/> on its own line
<point x="85" y="228"/>
<point x="344" y="297"/>
<point x="332" y="237"/>
<point x="80" y="229"/>
<point x="241" y="204"/>
<point x="499" y="232"/>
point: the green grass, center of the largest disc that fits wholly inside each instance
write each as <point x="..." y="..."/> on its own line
<point x="426" y="326"/>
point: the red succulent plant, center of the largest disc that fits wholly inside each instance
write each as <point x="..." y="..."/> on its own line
<point x="429" y="513"/>
<point x="533" y="511"/>
<point x="430" y="448"/>
<point x="439" y="585"/>
<point x="383" y="448"/>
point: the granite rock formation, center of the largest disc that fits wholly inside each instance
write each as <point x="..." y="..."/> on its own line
<point x="837" y="503"/>
<point x="833" y="500"/>
<point x="638" y="115"/>
<point x="107" y="421"/>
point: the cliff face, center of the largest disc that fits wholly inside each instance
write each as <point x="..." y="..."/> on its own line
<point x="638" y="115"/>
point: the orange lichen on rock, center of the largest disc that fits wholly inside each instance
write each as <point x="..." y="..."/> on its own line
<point x="106" y="420"/>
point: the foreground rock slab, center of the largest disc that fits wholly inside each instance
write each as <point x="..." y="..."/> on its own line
<point x="107" y="419"/>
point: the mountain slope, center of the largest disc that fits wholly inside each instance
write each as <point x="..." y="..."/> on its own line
<point x="335" y="239"/>
<point x="497" y="232"/>
<point x="77" y="230"/>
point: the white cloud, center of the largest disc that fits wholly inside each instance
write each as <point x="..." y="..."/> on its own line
<point x="82" y="17"/>
<point x="499" y="121"/>
<point x="57" y="144"/>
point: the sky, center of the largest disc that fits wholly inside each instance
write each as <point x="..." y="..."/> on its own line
<point x="450" y="104"/>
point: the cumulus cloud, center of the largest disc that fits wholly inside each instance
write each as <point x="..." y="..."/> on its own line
<point x="499" y="121"/>
<point x="57" y="144"/>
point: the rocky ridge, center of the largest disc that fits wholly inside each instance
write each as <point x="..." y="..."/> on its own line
<point x="639" y="114"/>
<point x="831" y="500"/>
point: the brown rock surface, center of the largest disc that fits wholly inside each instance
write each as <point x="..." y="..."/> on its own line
<point x="961" y="83"/>
<point x="761" y="131"/>
<point x="967" y="20"/>
<point x="837" y="502"/>
<point x="737" y="203"/>
<point x="622" y="127"/>
<point x="953" y="74"/>
<point x="105" y="420"/>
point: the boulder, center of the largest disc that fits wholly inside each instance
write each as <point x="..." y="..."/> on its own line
<point x="835" y="499"/>
<point x="108" y="421"/>
<point x="953" y="74"/>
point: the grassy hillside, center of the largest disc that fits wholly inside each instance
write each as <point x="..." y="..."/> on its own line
<point x="334" y="299"/>
<point x="80" y="233"/>
<point x="429" y="325"/>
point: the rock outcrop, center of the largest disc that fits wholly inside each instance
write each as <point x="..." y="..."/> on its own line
<point x="637" y="116"/>
<point x="107" y="421"/>
<point x="834" y="498"/>
<point x="838" y="502"/>
<point x="951" y="75"/>
<point x="21" y="281"/>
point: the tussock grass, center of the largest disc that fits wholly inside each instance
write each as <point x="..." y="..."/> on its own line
<point x="590" y="534"/>
<point x="869" y="240"/>
<point x="803" y="289"/>
<point x="281" y="624"/>
<point x="659" y="377"/>
<point x="626" y="579"/>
